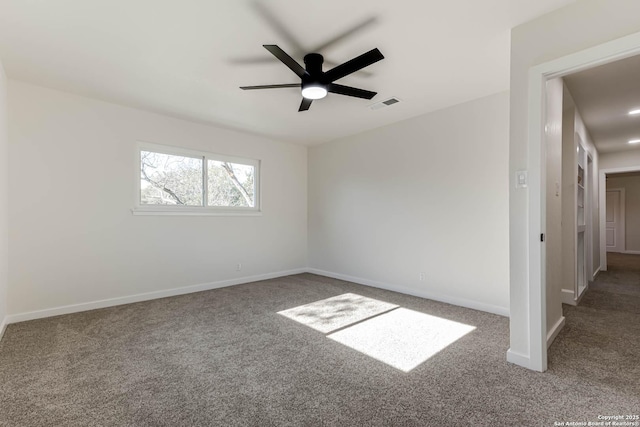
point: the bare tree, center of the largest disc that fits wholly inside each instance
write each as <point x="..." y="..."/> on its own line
<point x="145" y="164"/>
<point x="243" y="191"/>
<point x="178" y="180"/>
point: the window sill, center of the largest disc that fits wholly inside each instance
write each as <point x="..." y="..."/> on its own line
<point x="194" y="212"/>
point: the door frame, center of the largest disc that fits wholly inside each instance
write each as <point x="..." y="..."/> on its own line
<point x="603" y="208"/>
<point x="601" y="54"/>
<point x="590" y="183"/>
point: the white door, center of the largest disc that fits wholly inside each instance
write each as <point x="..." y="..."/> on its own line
<point x="614" y="226"/>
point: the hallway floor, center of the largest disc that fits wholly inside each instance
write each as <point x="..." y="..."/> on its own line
<point x="601" y="339"/>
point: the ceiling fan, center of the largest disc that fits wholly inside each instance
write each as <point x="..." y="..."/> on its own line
<point x="296" y="48"/>
<point x="315" y="83"/>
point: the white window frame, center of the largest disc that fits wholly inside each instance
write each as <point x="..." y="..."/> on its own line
<point x="142" y="209"/>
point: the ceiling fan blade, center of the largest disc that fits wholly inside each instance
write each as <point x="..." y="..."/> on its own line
<point x="278" y="26"/>
<point x="306" y="103"/>
<point x="344" y="35"/>
<point x="270" y="86"/>
<point x="350" y="91"/>
<point x="353" y="65"/>
<point x="253" y="60"/>
<point x="286" y="59"/>
<point x="363" y="73"/>
<point x="271" y="59"/>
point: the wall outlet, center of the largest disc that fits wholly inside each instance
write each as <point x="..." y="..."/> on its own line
<point x="422" y="277"/>
<point x="238" y="266"/>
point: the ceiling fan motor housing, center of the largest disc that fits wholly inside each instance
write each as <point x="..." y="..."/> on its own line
<point x="313" y="63"/>
<point x="313" y="84"/>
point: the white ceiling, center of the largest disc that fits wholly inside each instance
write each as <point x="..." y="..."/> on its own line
<point x="182" y="58"/>
<point x="604" y="96"/>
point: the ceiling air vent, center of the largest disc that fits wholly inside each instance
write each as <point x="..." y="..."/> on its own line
<point x="385" y="103"/>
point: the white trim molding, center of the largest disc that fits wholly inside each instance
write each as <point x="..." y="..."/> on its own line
<point x="553" y="333"/>
<point x="604" y="53"/>
<point x="3" y="327"/>
<point x="93" y="305"/>
<point x="76" y="308"/>
<point x="461" y="302"/>
<point x="111" y="302"/>
<point x="568" y="297"/>
<point x="518" y="359"/>
<point x="194" y="211"/>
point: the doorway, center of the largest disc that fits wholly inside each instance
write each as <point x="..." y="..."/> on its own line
<point x="619" y="179"/>
<point x="619" y="49"/>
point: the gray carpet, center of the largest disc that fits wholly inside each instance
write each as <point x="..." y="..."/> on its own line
<point x="226" y="358"/>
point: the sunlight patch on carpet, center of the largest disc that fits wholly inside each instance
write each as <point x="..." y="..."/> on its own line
<point x="337" y="312"/>
<point x="402" y="338"/>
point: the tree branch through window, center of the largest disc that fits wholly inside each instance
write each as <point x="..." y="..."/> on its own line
<point x="167" y="179"/>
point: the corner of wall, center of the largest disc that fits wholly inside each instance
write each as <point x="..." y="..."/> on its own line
<point x="518" y="359"/>
<point x="3" y="327"/>
<point x="4" y="205"/>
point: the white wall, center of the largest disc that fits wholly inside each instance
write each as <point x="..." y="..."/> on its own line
<point x="549" y="37"/>
<point x="620" y="159"/>
<point x="72" y="184"/>
<point x="631" y="184"/>
<point x="4" y="200"/>
<point x="429" y="195"/>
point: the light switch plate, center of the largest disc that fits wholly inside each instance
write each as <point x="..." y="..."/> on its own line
<point x="521" y="179"/>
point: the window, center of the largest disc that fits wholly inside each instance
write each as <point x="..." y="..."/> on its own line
<point x="176" y="181"/>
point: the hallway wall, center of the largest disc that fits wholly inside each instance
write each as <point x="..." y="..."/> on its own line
<point x="620" y="159"/>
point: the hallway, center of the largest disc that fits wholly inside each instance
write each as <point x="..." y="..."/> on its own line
<point x="600" y="341"/>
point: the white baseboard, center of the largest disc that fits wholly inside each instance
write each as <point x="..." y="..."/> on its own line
<point x="553" y="333"/>
<point x="75" y="308"/>
<point x="3" y="327"/>
<point x="625" y="251"/>
<point x="568" y="297"/>
<point x="92" y="305"/>
<point x="595" y="274"/>
<point x="502" y="311"/>
<point x="518" y="359"/>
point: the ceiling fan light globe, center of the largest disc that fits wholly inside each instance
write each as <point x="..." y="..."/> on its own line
<point x="314" y="92"/>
